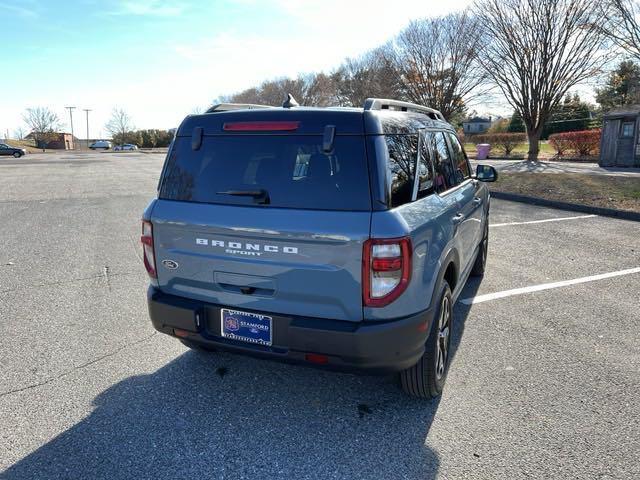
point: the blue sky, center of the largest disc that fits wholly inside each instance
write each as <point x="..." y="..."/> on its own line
<point x="160" y="60"/>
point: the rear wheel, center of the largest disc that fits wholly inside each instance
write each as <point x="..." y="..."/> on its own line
<point x="426" y="378"/>
<point x="481" y="258"/>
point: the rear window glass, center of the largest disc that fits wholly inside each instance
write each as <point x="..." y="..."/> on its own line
<point x="291" y="170"/>
<point x="403" y="153"/>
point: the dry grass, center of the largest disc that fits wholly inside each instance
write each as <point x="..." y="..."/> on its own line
<point x="621" y="193"/>
<point x="520" y="151"/>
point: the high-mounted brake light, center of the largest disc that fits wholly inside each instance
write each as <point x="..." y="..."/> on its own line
<point x="147" y="247"/>
<point x="386" y="270"/>
<point x="260" y="126"/>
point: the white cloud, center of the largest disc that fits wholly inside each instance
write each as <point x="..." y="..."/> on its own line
<point x="23" y="11"/>
<point x="310" y="36"/>
<point x="321" y="35"/>
<point x="148" y="8"/>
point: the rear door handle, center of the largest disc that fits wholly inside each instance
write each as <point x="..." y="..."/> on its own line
<point x="457" y="219"/>
<point x="477" y="200"/>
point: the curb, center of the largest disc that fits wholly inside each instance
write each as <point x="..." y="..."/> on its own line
<point x="576" y="207"/>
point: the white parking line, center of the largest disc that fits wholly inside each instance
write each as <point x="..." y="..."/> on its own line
<point x="545" y="286"/>
<point x="541" y="221"/>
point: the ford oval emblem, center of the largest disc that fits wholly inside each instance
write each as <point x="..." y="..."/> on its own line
<point x="170" y="264"/>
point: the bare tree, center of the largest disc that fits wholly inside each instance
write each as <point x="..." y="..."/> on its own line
<point x="437" y="62"/>
<point x="621" y="22"/>
<point x="370" y="75"/>
<point x="20" y="133"/>
<point x="43" y="122"/>
<point x="536" y="50"/>
<point x="119" y="125"/>
<point x="317" y="90"/>
<point x="313" y="89"/>
<point x="250" y="95"/>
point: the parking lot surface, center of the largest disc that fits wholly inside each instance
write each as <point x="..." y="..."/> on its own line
<point x="543" y="384"/>
<point x="555" y="166"/>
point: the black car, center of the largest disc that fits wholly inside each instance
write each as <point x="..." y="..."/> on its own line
<point x="9" y="150"/>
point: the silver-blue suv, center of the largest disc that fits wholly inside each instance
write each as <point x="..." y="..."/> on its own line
<point x="335" y="237"/>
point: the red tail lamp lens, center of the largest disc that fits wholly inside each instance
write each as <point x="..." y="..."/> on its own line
<point x="316" y="358"/>
<point x="386" y="270"/>
<point x="147" y="247"/>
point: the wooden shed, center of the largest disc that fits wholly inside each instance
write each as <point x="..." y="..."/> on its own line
<point x="620" y="142"/>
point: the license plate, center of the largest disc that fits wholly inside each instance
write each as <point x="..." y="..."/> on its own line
<point x="246" y="327"/>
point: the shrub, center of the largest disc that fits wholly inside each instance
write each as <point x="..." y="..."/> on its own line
<point x="506" y="142"/>
<point x="500" y="126"/>
<point x="582" y="143"/>
<point x="559" y="144"/>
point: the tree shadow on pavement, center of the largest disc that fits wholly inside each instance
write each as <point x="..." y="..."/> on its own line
<point x="225" y="416"/>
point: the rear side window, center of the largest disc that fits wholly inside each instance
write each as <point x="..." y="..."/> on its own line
<point x="425" y="169"/>
<point x="291" y="170"/>
<point x="403" y="153"/>
<point x="445" y="175"/>
<point x="459" y="158"/>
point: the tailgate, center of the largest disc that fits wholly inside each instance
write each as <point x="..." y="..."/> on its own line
<point x="286" y="261"/>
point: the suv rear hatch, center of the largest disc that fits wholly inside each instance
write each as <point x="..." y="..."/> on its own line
<point x="254" y="214"/>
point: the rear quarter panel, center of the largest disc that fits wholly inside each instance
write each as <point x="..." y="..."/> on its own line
<point x="427" y="222"/>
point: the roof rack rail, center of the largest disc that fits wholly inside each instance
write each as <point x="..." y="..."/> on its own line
<point x="225" y="107"/>
<point x="388" y="104"/>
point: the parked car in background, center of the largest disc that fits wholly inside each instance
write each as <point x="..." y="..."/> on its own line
<point x="105" y="144"/>
<point x="126" y="146"/>
<point x="13" y="151"/>
<point x="332" y="237"/>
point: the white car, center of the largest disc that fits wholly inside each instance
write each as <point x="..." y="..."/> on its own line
<point x="126" y="146"/>
<point x="100" y="144"/>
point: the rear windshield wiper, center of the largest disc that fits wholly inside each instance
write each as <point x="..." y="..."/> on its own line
<point x="261" y="196"/>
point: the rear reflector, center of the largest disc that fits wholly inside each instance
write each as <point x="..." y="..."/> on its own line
<point x="260" y="126"/>
<point x="147" y="249"/>
<point x="316" y="358"/>
<point x="386" y="264"/>
<point x="180" y="333"/>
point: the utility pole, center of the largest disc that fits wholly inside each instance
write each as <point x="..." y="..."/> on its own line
<point x="87" y="110"/>
<point x="71" y="117"/>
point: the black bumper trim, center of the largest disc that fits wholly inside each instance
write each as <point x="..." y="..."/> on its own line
<point x="374" y="347"/>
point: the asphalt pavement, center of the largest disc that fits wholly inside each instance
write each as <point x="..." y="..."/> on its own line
<point x="544" y="383"/>
<point x="541" y="166"/>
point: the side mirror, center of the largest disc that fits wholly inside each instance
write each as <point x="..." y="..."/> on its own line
<point x="486" y="173"/>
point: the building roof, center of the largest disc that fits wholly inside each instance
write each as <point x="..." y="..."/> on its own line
<point x="477" y="120"/>
<point x="625" y="111"/>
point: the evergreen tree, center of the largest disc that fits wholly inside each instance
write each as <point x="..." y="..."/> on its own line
<point x="516" y="125"/>
<point x="622" y="87"/>
<point x="571" y="115"/>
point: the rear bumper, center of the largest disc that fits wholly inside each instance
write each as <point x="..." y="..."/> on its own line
<point x="371" y="347"/>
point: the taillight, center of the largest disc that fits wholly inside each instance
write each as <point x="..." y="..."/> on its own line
<point x="147" y="249"/>
<point x="386" y="270"/>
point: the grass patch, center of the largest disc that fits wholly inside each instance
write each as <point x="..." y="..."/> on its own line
<point x="620" y="193"/>
<point x="520" y="150"/>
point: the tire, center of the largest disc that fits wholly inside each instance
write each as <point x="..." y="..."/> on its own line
<point x="427" y="377"/>
<point x="481" y="258"/>
<point x="17" y="154"/>
<point x="196" y="346"/>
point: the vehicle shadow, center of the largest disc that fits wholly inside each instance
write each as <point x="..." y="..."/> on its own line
<point x="226" y="416"/>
